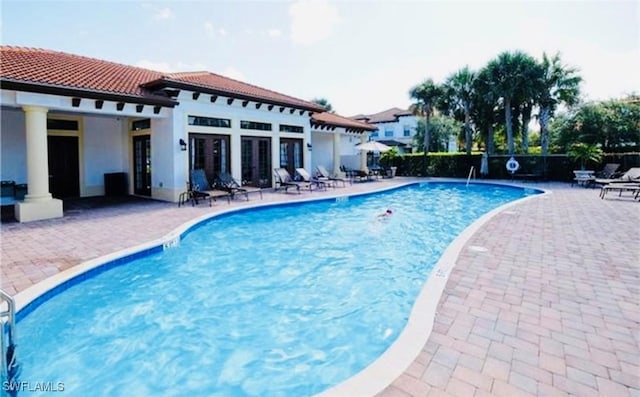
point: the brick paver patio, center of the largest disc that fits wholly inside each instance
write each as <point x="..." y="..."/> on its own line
<point x="544" y="298"/>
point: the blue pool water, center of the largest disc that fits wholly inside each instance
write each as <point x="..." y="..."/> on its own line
<point x="282" y="301"/>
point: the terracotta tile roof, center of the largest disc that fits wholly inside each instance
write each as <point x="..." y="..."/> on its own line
<point x="333" y="119"/>
<point x="225" y="85"/>
<point x="385" y="116"/>
<point x="53" y="69"/>
<point x="41" y="70"/>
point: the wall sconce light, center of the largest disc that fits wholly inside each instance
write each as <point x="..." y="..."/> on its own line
<point x="309" y="146"/>
<point x="183" y="145"/>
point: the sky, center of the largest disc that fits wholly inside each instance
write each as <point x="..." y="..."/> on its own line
<point x="362" y="56"/>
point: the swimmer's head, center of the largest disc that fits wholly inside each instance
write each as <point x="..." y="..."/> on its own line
<point x="389" y="211"/>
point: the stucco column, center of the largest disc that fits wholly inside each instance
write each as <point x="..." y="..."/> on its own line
<point x="37" y="154"/>
<point x="336" y="153"/>
<point x="236" y="156"/>
<point x="275" y="156"/>
<point x="38" y="203"/>
<point x="363" y="154"/>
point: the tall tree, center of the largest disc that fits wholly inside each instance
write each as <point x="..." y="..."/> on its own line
<point x="459" y="88"/>
<point x="560" y="84"/>
<point x="426" y="96"/>
<point x="485" y="111"/>
<point x="324" y="103"/>
<point x="507" y="76"/>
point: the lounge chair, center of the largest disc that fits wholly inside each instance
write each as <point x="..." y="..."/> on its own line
<point x="285" y="181"/>
<point x="608" y="171"/>
<point x="631" y="176"/>
<point x="226" y="182"/>
<point x="324" y="174"/>
<point x="202" y="189"/>
<point x="353" y="174"/>
<point x="634" y="188"/>
<point x="306" y="177"/>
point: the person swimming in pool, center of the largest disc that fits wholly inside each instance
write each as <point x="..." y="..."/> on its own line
<point x="385" y="214"/>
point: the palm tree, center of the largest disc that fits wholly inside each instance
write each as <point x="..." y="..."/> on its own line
<point x="324" y="103"/>
<point x="508" y="75"/>
<point x="426" y="95"/>
<point x="485" y="111"/>
<point x="459" y="88"/>
<point x="529" y="91"/>
<point x="559" y="84"/>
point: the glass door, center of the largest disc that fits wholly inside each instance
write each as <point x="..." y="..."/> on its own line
<point x="256" y="161"/>
<point x="291" y="155"/>
<point x="209" y="152"/>
<point x="142" y="165"/>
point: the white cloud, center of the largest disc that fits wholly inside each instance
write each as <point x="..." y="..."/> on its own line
<point x="163" y="13"/>
<point x="312" y="21"/>
<point x="273" y="33"/>
<point x="211" y="31"/>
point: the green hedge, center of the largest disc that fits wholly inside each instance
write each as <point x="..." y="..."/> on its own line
<point x="556" y="167"/>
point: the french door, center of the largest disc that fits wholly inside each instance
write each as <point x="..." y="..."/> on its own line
<point x="256" y="161"/>
<point x="142" y="165"/>
<point x="209" y="152"/>
<point x="291" y="154"/>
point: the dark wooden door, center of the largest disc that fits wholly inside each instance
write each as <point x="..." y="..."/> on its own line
<point x="64" y="166"/>
<point x="256" y="161"/>
<point x="291" y="155"/>
<point x="142" y="165"/>
<point x="209" y="152"/>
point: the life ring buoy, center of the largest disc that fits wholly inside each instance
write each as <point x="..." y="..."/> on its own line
<point x="512" y="165"/>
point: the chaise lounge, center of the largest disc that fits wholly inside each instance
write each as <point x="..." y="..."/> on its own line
<point x="306" y="177"/>
<point x="226" y="182"/>
<point x="632" y="175"/>
<point x="202" y="189"/>
<point x="285" y="181"/>
<point x="323" y="174"/>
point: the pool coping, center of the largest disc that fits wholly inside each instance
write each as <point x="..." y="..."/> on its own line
<point x="373" y="378"/>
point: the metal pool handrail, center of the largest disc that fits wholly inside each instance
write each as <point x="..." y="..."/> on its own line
<point x="8" y="324"/>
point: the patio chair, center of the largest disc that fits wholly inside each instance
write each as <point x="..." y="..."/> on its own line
<point x="323" y="174"/>
<point x="608" y="171"/>
<point x="306" y="177"/>
<point x="202" y="189"/>
<point x="226" y="182"/>
<point x="353" y="174"/>
<point x="285" y="181"/>
<point x="632" y="175"/>
<point x="634" y="188"/>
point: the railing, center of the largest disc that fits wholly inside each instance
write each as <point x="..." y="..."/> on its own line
<point x="472" y="172"/>
<point x="10" y="367"/>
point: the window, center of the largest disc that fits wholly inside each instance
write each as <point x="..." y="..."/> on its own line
<point x="254" y="125"/>
<point x="291" y="128"/>
<point x="388" y="133"/>
<point x="64" y="125"/>
<point x="375" y="133"/>
<point x="138" y="125"/>
<point x="407" y="130"/>
<point x="209" y="122"/>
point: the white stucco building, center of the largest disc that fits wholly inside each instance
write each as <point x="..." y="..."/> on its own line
<point x="73" y="126"/>
<point x="395" y="127"/>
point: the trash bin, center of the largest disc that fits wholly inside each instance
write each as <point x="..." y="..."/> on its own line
<point x="115" y="184"/>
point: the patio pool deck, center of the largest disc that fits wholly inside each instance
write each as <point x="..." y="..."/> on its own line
<point x="544" y="299"/>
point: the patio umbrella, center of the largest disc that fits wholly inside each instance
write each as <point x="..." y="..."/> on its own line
<point x="373" y="146"/>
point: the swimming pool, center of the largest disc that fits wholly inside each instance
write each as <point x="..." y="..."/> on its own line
<point x="286" y="300"/>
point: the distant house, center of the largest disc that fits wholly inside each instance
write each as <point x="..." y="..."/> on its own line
<point x="395" y="127"/>
<point x="74" y="126"/>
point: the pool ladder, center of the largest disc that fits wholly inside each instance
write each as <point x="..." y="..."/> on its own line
<point x="10" y="367"/>
<point x="472" y="172"/>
